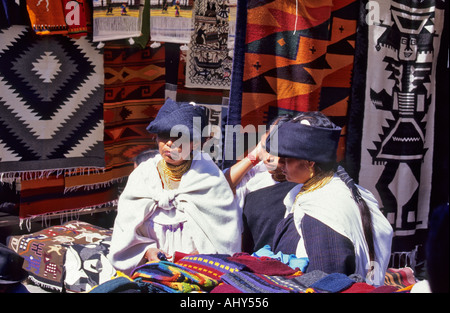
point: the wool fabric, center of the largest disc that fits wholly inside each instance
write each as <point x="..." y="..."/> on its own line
<point x="335" y="282"/>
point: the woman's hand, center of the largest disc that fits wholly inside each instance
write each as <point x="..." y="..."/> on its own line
<point x="152" y="254"/>
<point x="257" y="153"/>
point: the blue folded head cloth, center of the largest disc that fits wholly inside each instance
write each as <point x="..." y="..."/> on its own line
<point x="174" y="118"/>
<point x="305" y="142"/>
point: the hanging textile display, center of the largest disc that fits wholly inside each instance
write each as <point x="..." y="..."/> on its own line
<point x="298" y="56"/>
<point x="209" y="62"/>
<point x="116" y="19"/>
<point x="198" y="95"/>
<point x="48" y="196"/>
<point x="134" y="92"/>
<point x="51" y="104"/>
<point x="47" y="17"/>
<point x="396" y="148"/>
<point x="171" y="21"/>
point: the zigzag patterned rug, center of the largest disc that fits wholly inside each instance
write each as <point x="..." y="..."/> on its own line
<point x="134" y="92"/>
<point x="51" y="103"/>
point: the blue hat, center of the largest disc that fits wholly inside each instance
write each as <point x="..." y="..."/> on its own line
<point x="306" y="142"/>
<point x="179" y="117"/>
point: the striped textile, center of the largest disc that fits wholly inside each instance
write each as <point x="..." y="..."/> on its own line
<point x="211" y="265"/>
<point x="164" y="276"/>
<point x="40" y="197"/>
<point x="401" y="278"/>
<point x="134" y="92"/>
<point x="248" y="282"/>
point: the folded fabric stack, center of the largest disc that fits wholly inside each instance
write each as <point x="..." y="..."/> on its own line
<point x="164" y="276"/>
<point x="243" y="273"/>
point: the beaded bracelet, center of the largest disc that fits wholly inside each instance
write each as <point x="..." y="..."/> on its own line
<point x="252" y="160"/>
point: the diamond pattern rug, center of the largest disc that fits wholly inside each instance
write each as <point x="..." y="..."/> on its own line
<point x="51" y="103"/>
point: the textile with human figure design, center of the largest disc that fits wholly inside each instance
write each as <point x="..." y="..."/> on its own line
<point x="208" y="61"/>
<point x="396" y="148"/>
<point x="44" y="251"/>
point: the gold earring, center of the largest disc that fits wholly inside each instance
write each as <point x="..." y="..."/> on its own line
<point x="311" y="172"/>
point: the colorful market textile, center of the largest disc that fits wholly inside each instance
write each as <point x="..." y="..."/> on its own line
<point x="208" y="62"/>
<point x="164" y="276"/>
<point x="263" y="265"/>
<point x="48" y="195"/>
<point x="175" y="56"/>
<point x="394" y="106"/>
<point x="171" y="22"/>
<point x="44" y="251"/>
<point x="312" y="282"/>
<point x="400" y="278"/>
<point x="114" y="19"/>
<point x="309" y="66"/>
<point x="47" y="17"/>
<point x="335" y="282"/>
<point x="134" y="92"/>
<point x="211" y="265"/>
<point x="51" y="104"/>
<point x="238" y="274"/>
<point x="248" y="282"/>
<point x="120" y="283"/>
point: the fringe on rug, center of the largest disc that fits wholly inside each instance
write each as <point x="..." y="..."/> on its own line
<point x="117" y="27"/>
<point x="171" y="29"/>
<point x="38" y="283"/>
<point x="95" y="186"/>
<point x="64" y="216"/>
<point x="11" y="177"/>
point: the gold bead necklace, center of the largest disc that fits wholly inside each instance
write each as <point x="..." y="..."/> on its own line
<point x="316" y="182"/>
<point x="171" y="174"/>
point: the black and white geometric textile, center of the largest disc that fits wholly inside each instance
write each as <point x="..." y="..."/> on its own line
<point x="397" y="93"/>
<point x="51" y="103"/>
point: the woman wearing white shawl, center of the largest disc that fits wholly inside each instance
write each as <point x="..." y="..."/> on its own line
<point x="330" y="220"/>
<point x="193" y="213"/>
